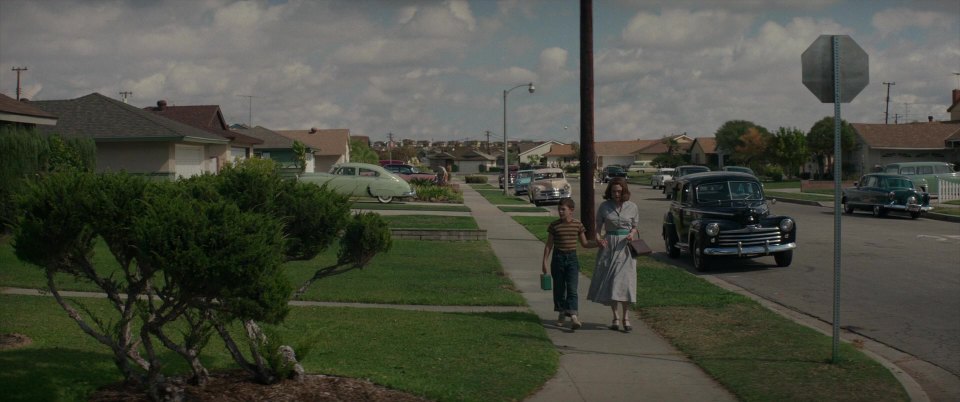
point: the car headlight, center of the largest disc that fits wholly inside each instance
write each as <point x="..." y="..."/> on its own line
<point x="891" y="195"/>
<point x="566" y="187"/>
<point x="786" y="225"/>
<point x="712" y="229"/>
<point x="911" y="200"/>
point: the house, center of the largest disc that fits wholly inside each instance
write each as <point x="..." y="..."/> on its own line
<point x="275" y="147"/>
<point x="468" y="161"/>
<point x="562" y="155"/>
<point x="329" y="147"/>
<point x="134" y="140"/>
<point x="621" y="153"/>
<point x="533" y="152"/>
<point x="14" y="113"/>
<point x="209" y="118"/>
<point x="880" y="144"/>
<point x="703" y="151"/>
<point x="658" y="147"/>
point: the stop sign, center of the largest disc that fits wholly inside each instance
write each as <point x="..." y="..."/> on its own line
<point x="817" y="63"/>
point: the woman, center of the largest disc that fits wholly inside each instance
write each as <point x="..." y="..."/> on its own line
<point x="615" y="277"/>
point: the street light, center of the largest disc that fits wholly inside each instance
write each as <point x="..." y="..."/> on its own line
<point x="506" y="160"/>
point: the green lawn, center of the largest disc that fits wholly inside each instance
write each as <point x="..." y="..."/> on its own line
<point x="522" y="209"/>
<point x="430" y="222"/>
<point x="374" y="206"/>
<point x="496" y="197"/>
<point x="778" y="185"/>
<point x="752" y="351"/>
<point x="441" y="356"/>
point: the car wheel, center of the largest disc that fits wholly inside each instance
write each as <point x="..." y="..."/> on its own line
<point x="384" y="199"/>
<point x="878" y="211"/>
<point x="670" y="243"/>
<point x="784" y="258"/>
<point x="701" y="262"/>
<point x="847" y="208"/>
<point x="536" y="202"/>
<point x="914" y="215"/>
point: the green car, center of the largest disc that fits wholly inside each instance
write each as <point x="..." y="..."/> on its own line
<point x="362" y="180"/>
<point x="881" y="193"/>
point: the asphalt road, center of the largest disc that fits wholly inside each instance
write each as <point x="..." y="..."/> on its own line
<point x="900" y="278"/>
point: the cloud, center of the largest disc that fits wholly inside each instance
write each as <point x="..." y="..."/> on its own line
<point x="553" y="65"/>
<point x="683" y="29"/>
<point x="895" y="20"/>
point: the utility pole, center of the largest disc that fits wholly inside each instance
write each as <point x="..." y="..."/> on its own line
<point x="18" y="70"/>
<point x="390" y="147"/>
<point x="488" y="141"/>
<point x="588" y="156"/>
<point x="249" y="109"/>
<point x="124" y="95"/>
<point x="886" y="114"/>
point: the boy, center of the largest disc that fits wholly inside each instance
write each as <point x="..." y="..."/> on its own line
<point x="562" y="237"/>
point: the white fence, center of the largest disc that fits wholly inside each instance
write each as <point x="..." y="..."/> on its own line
<point x="948" y="189"/>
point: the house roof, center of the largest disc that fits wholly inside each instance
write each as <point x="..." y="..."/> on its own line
<point x="323" y="142"/>
<point x="271" y="140"/>
<point x="23" y="112"/>
<point x="205" y="117"/>
<point x="708" y="144"/>
<point x="907" y="136"/>
<point x="561" y="150"/>
<point x="105" y="119"/>
<point x="620" y="148"/>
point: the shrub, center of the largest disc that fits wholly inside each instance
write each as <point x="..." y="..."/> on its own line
<point x="571" y="169"/>
<point x="431" y="192"/>
<point x="476" y="179"/>
<point x="774" y="172"/>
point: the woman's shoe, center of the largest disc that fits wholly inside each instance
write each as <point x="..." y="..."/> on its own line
<point x="561" y="318"/>
<point x="615" y="325"/>
<point x="626" y="325"/>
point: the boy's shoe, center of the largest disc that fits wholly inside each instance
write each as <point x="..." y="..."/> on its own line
<point x="561" y="318"/>
<point x="576" y="322"/>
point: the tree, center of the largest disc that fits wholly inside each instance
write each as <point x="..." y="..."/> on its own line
<point x="752" y="148"/>
<point x="300" y="155"/>
<point x="361" y="152"/>
<point x="788" y="148"/>
<point x="729" y="135"/>
<point x="672" y="156"/>
<point x="820" y="141"/>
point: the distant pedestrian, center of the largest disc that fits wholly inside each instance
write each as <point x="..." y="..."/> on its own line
<point x="442" y="176"/>
<point x="561" y="250"/>
<point x="614" y="280"/>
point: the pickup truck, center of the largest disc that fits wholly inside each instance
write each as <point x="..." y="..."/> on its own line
<point x="680" y="172"/>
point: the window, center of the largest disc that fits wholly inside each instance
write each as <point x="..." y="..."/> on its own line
<point x="925" y="170"/>
<point x="368" y="173"/>
<point x="871" y="181"/>
<point x="346" y="171"/>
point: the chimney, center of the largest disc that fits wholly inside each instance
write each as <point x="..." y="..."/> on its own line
<point x="956" y="96"/>
<point x="313" y="130"/>
<point x="161" y="104"/>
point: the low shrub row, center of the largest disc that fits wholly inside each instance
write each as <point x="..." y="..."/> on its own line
<point x="476" y="179"/>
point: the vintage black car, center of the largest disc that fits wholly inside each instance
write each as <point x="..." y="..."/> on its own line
<point x="716" y="214"/>
<point x="612" y="171"/>
<point x="881" y="193"/>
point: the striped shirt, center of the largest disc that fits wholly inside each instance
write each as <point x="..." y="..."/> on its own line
<point x="565" y="235"/>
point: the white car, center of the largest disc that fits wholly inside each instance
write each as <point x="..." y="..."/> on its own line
<point x="548" y="185"/>
<point x="642" y="167"/>
<point x="662" y="175"/>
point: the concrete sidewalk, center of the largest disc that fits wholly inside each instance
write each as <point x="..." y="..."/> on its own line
<point x="596" y="363"/>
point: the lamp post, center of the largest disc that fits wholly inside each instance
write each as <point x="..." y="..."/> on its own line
<point x="506" y="160"/>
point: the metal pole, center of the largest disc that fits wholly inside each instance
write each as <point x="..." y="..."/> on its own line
<point x="837" y="170"/>
<point x="506" y="151"/>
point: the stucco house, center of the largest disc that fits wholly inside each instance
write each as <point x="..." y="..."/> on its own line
<point x="468" y="160"/>
<point x="703" y="151"/>
<point x="621" y="153"/>
<point x="14" y="113"/>
<point x="209" y="118"/>
<point x="880" y="144"/>
<point x="533" y="153"/>
<point x="328" y="147"/>
<point x="134" y="140"/>
<point x="562" y="155"/>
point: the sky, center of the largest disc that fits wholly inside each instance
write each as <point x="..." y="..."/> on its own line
<point x="437" y="70"/>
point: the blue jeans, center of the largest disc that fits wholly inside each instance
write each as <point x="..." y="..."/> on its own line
<point x="565" y="269"/>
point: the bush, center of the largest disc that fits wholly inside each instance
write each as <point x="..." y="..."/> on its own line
<point x="431" y="192"/>
<point x="476" y="179"/>
<point x="571" y="169"/>
<point x="483" y="168"/>
<point x="774" y="172"/>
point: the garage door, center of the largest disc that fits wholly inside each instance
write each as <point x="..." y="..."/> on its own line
<point x="189" y="160"/>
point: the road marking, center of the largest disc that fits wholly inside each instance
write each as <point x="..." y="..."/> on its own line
<point x="940" y="238"/>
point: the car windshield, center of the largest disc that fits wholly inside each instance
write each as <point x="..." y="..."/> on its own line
<point x="728" y="191"/>
<point x="896" y="182"/>
<point x="542" y="176"/>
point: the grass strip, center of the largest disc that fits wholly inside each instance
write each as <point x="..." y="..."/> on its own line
<point x="755" y="353"/>
<point x="441" y="356"/>
<point x="522" y="209"/>
<point x="430" y="222"/>
<point x="779" y="185"/>
<point x="373" y="206"/>
<point x="496" y="197"/>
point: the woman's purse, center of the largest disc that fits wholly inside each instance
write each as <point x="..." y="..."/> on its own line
<point x="638" y="247"/>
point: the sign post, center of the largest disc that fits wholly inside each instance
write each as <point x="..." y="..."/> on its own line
<point x="835" y="70"/>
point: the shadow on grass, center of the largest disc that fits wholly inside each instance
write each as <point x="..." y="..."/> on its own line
<point x="54" y="374"/>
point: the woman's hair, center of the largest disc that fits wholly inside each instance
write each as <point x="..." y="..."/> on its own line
<point x="624" y="196"/>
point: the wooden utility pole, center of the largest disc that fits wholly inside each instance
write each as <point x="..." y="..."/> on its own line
<point x="588" y="156"/>
<point x="886" y="114"/>
<point x="18" y="70"/>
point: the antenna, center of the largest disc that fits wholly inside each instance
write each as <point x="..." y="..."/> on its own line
<point x="249" y="109"/>
<point x="124" y="95"/>
<point x="18" y="70"/>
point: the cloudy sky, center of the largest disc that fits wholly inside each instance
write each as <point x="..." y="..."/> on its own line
<point x="436" y="70"/>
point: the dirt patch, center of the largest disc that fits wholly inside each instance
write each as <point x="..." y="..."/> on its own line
<point x="14" y="341"/>
<point x="237" y="386"/>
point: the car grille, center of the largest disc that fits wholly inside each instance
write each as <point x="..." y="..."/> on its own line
<point x="750" y="236"/>
<point x="554" y="193"/>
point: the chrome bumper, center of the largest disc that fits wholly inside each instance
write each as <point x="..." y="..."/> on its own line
<point x="409" y="194"/>
<point x="740" y="251"/>
<point x="910" y="208"/>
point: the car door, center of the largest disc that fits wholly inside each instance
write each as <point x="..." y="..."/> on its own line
<point x="684" y="195"/>
<point x="873" y="194"/>
<point x="344" y="180"/>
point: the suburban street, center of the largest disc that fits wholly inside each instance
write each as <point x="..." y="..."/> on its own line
<point x="900" y="277"/>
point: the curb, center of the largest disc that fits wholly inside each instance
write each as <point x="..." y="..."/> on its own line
<point x="928" y="215"/>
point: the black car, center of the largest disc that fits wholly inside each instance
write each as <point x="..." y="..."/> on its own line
<point x="718" y="214"/>
<point x="678" y="173"/>
<point x="612" y="171"/>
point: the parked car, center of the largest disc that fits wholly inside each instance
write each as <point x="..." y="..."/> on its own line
<point x="362" y="180"/>
<point x="662" y="175"/>
<point x="409" y="172"/>
<point x="611" y="171"/>
<point x="548" y="185"/>
<point x="881" y="193"/>
<point x="384" y="162"/>
<point x="642" y="167"/>
<point x="741" y="169"/>
<point x="925" y="175"/>
<point x="522" y="183"/>
<point x="512" y="176"/>
<point x="680" y="172"/>
<point x="718" y="214"/>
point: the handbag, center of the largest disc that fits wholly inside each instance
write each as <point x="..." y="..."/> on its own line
<point x="638" y="247"/>
<point x="546" y="282"/>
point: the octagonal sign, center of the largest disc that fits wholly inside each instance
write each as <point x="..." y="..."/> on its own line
<point x="817" y="62"/>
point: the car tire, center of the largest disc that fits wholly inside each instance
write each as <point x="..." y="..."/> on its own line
<point x="701" y="262"/>
<point x="384" y="199"/>
<point x="879" y="211"/>
<point x="783" y="258"/>
<point x="914" y="215"/>
<point x="670" y="243"/>
<point x="847" y="208"/>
